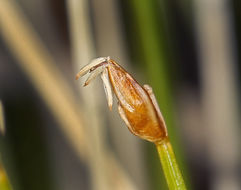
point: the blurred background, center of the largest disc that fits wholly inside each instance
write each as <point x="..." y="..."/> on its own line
<point x="55" y="134"/>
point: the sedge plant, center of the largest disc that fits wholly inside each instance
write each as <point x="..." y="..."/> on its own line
<point x="138" y="108"/>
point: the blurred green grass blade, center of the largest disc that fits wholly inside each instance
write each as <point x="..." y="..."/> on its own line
<point x="154" y="54"/>
<point x="149" y="18"/>
<point x="4" y="182"/>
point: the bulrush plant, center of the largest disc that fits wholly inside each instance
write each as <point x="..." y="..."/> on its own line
<point x="138" y="108"/>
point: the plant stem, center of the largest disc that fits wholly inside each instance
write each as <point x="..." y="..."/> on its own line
<point x="169" y="164"/>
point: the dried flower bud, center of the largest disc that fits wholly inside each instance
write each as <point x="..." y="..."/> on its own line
<point x="136" y="104"/>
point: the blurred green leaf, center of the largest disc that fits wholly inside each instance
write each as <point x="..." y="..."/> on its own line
<point x="4" y="183"/>
<point x="150" y="33"/>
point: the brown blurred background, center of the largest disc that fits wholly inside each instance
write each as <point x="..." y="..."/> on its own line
<point x="59" y="135"/>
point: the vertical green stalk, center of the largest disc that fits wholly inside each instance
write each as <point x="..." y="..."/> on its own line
<point x="169" y="164"/>
<point x="150" y="21"/>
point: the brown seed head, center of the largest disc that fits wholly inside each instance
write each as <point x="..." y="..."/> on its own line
<point x="136" y="104"/>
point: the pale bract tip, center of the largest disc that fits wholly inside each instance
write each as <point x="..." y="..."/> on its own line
<point x="92" y="64"/>
<point x="96" y="67"/>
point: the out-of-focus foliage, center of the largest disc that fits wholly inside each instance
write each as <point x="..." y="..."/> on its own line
<point x="59" y="137"/>
<point x="4" y="182"/>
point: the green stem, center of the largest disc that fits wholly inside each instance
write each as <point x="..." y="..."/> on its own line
<point x="170" y="167"/>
